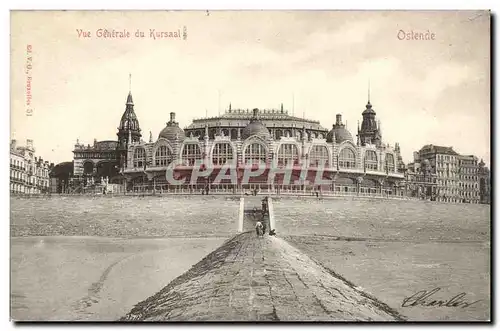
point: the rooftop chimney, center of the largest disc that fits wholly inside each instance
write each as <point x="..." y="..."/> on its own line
<point x="255" y="112"/>
<point x="13" y="144"/>
<point x="339" y="119"/>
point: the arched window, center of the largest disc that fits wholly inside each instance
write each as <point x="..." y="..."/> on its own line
<point x="389" y="162"/>
<point x="318" y="156"/>
<point x="347" y="158"/>
<point x="371" y="162"/>
<point x="222" y="153"/>
<point x="163" y="156"/>
<point x="288" y="154"/>
<point x="279" y="134"/>
<point x="139" y="157"/>
<point x="255" y="153"/>
<point x="191" y="153"/>
<point x="88" y="167"/>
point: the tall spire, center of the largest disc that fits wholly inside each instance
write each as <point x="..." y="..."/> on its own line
<point x="130" y="101"/>
<point x="368" y="91"/>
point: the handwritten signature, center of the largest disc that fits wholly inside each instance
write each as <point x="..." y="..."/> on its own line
<point x="423" y="298"/>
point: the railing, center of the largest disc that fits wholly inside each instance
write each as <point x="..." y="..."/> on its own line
<point x="186" y="164"/>
<point x="290" y="191"/>
<point x="16" y="167"/>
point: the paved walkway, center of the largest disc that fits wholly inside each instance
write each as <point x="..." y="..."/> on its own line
<point x="253" y="213"/>
<point x="260" y="279"/>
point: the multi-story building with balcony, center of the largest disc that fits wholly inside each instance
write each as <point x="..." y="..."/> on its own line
<point x="468" y="178"/>
<point x="454" y="177"/>
<point x="28" y="174"/>
<point x="444" y="163"/>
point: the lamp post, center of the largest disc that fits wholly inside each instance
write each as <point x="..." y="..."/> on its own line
<point x="405" y="180"/>
<point x="145" y="178"/>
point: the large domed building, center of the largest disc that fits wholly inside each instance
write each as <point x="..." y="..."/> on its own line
<point x="209" y="147"/>
<point x="239" y="139"/>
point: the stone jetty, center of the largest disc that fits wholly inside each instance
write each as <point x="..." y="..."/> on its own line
<point x="260" y="279"/>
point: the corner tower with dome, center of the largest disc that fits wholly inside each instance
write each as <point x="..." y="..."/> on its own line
<point x="128" y="130"/>
<point x="105" y="158"/>
<point x="240" y="138"/>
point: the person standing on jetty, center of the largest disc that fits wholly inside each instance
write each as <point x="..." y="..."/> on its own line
<point x="259" y="229"/>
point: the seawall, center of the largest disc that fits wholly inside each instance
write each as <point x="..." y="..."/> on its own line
<point x="260" y="279"/>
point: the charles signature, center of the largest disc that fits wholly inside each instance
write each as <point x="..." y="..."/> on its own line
<point x="424" y="299"/>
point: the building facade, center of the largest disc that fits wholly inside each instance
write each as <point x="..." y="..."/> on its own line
<point x="421" y="180"/>
<point x="97" y="160"/>
<point x="484" y="183"/>
<point x="101" y="162"/>
<point x="445" y="175"/>
<point x="468" y="178"/>
<point x="28" y="174"/>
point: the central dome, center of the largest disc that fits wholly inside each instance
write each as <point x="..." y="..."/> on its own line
<point x="255" y="128"/>
<point x="172" y="131"/>
<point x="339" y="132"/>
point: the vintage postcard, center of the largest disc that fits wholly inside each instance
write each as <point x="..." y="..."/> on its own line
<point x="250" y="166"/>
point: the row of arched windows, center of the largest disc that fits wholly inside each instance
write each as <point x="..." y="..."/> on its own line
<point x="276" y="134"/>
<point x="257" y="153"/>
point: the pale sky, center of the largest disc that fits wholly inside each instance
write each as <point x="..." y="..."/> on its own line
<point x="423" y="91"/>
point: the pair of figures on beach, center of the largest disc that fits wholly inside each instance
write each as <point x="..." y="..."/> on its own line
<point x="260" y="229"/>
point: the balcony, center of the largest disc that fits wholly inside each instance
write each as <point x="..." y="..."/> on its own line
<point x="16" y="167"/>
